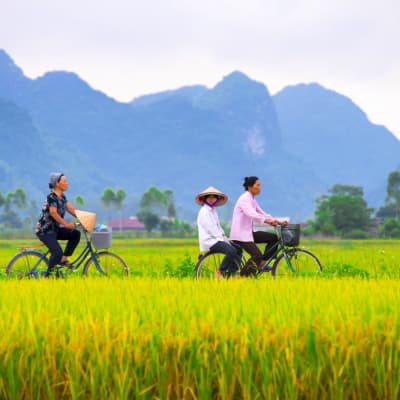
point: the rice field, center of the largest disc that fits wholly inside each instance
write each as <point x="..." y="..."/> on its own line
<point x="159" y="335"/>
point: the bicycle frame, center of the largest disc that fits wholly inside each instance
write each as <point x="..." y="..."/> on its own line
<point x="77" y="262"/>
<point x="281" y="248"/>
<point x="82" y="257"/>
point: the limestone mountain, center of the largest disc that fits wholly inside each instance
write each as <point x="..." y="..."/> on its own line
<point x="299" y="142"/>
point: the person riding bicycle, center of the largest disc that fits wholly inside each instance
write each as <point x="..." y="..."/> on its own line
<point x="211" y="235"/>
<point x="52" y="226"/>
<point x="245" y="213"/>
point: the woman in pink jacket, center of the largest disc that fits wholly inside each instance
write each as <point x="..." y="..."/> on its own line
<point x="246" y="212"/>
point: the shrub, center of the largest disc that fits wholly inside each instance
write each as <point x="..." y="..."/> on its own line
<point x="355" y="234"/>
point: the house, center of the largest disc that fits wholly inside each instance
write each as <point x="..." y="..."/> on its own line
<point x="126" y="224"/>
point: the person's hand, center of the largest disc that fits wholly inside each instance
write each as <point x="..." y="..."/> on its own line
<point x="274" y="222"/>
<point x="70" y="225"/>
<point x="284" y="222"/>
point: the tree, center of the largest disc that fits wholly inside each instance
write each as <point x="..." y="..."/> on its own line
<point x="119" y="197"/>
<point x="170" y="203"/>
<point x="149" y="219"/>
<point x="390" y="228"/>
<point x="12" y="200"/>
<point x="323" y="217"/>
<point x="153" y="199"/>
<point x="343" y="211"/>
<point x="111" y="199"/>
<point x="391" y="209"/>
<point x="108" y="197"/>
<point x="79" y="201"/>
<point x="155" y="202"/>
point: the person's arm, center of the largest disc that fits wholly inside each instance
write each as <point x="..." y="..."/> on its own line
<point x="70" y="208"/>
<point x="269" y="219"/>
<point x="249" y="210"/>
<point x="54" y="214"/>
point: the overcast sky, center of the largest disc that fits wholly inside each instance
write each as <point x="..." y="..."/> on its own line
<point x="127" y="48"/>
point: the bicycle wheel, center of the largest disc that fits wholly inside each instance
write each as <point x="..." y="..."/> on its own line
<point x="110" y="264"/>
<point x="303" y="262"/>
<point x="208" y="265"/>
<point x="27" y="264"/>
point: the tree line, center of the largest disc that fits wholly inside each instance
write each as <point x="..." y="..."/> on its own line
<point x="343" y="212"/>
<point x="157" y="210"/>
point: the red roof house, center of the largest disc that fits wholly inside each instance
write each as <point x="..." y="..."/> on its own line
<point x="126" y="224"/>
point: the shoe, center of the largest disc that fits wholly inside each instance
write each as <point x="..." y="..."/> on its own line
<point x="67" y="264"/>
<point x="265" y="268"/>
<point x="248" y="270"/>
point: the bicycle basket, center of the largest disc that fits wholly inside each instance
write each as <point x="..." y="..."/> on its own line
<point x="291" y="234"/>
<point x="102" y="239"/>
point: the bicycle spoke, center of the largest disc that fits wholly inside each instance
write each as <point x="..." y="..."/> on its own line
<point x="27" y="264"/>
<point x="299" y="262"/>
<point x="208" y="265"/>
<point x="110" y="264"/>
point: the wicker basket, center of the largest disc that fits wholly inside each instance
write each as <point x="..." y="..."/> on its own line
<point x="291" y="234"/>
<point x="102" y="239"/>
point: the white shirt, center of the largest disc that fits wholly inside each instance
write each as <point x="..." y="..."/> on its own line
<point x="210" y="231"/>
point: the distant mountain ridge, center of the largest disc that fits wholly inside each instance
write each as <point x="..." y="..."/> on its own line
<point x="299" y="142"/>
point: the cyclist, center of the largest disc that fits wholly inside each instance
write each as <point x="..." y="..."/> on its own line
<point x="52" y="226"/>
<point x="245" y="213"/>
<point x="211" y="235"/>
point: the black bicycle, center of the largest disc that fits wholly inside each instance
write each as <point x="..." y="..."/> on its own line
<point x="290" y="259"/>
<point x="31" y="262"/>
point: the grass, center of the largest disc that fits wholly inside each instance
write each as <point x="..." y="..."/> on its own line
<point x="169" y="338"/>
<point x="153" y="336"/>
<point x="157" y="257"/>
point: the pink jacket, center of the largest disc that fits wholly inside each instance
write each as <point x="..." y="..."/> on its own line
<point x="245" y="212"/>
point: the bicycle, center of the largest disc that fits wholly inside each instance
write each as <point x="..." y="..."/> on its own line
<point x="298" y="261"/>
<point x="31" y="262"/>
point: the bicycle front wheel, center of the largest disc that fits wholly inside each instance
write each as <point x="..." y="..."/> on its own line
<point x="27" y="264"/>
<point x="299" y="262"/>
<point x="110" y="264"/>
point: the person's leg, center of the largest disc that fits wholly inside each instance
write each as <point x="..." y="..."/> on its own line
<point x="239" y="251"/>
<point x="228" y="264"/>
<point x="73" y="237"/>
<point x="256" y="257"/>
<point x="270" y="239"/>
<point x="50" y="240"/>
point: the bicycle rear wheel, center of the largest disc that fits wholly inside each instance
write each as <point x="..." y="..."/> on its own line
<point x="110" y="265"/>
<point x="27" y="264"/>
<point x="303" y="263"/>
<point x="208" y="265"/>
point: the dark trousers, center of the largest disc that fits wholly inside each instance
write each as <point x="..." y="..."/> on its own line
<point x="50" y="239"/>
<point x="232" y="252"/>
<point x="258" y="258"/>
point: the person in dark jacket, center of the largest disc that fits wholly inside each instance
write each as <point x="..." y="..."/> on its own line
<point x="52" y="226"/>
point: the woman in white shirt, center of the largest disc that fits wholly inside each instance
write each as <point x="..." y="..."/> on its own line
<point x="211" y="235"/>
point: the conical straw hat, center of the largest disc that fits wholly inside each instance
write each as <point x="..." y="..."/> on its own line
<point x="87" y="220"/>
<point x="223" y="198"/>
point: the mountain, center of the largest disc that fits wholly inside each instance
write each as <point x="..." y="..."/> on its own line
<point x="20" y="141"/>
<point x="299" y="142"/>
<point x="334" y="136"/>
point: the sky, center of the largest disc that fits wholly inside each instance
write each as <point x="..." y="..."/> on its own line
<point x="128" y="48"/>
